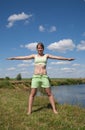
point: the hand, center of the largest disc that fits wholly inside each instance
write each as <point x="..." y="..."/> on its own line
<point x="70" y="59"/>
<point x="12" y="58"/>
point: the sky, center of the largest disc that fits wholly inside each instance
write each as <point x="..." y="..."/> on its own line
<point x="58" y="24"/>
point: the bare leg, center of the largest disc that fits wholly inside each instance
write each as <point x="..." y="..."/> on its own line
<point x="31" y="99"/>
<point x="51" y="99"/>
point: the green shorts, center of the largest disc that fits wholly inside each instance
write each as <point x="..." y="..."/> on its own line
<point x="40" y="81"/>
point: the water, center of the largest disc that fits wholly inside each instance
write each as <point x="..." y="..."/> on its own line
<point x="73" y="94"/>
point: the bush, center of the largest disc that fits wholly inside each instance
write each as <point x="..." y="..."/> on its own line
<point x="19" y="77"/>
<point x="5" y="84"/>
<point x="7" y="78"/>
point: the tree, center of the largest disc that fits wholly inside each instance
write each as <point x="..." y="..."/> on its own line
<point x="19" y="77"/>
<point x="7" y="78"/>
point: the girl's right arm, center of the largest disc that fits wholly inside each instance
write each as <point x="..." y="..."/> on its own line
<point x="22" y="57"/>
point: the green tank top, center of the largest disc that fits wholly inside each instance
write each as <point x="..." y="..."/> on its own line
<point x="41" y="60"/>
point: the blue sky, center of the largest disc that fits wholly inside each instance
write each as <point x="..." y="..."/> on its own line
<point x="59" y="24"/>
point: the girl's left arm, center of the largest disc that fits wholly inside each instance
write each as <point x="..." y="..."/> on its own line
<point x="59" y="57"/>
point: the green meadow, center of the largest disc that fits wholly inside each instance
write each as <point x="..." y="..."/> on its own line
<point x="13" y="109"/>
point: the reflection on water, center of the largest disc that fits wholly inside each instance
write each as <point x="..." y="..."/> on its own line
<point x="73" y="94"/>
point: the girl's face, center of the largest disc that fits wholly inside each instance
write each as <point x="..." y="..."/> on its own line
<point x="40" y="50"/>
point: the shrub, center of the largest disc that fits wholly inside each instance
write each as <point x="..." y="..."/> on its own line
<point x="5" y="84"/>
<point x="7" y="78"/>
<point x="19" y="77"/>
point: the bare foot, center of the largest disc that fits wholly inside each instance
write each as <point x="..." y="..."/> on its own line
<point x="28" y="113"/>
<point x="55" y="111"/>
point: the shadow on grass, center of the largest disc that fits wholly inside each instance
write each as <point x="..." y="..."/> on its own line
<point x="43" y="107"/>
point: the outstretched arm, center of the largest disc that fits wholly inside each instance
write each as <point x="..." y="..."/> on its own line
<point x="21" y="57"/>
<point x="59" y="57"/>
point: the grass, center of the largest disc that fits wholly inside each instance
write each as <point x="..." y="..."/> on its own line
<point x="13" y="108"/>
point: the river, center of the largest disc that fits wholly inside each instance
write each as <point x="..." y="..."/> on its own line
<point x="72" y="94"/>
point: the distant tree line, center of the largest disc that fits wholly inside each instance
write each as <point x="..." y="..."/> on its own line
<point x="8" y="82"/>
<point x="18" y="77"/>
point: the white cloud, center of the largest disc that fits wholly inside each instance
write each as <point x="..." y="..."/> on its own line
<point x="11" y="68"/>
<point x="61" y="63"/>
<point x="17" y="17"/>
<point x="41" y="28"/>
<point x="62" y="45"/>
<point x="52" y="29"/>
<point x="31" y="46"/>
<point x="24" y="72"/>
<point x="0" y="69"/>
<point x="68" y="69"/>
<point x="76" y="64"/>
<point x="83" y="34"/>
<point x="23" y="65"/>
<point x="27" y="61"/>
<point x="81" y="46"/>
<point x="22" y="46"/>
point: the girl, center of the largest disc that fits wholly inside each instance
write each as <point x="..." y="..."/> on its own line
<point x="40" y="77"/>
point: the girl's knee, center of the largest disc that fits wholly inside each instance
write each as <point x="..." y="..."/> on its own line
<point x="33" y="93"/>
<point x="48" y="93"/>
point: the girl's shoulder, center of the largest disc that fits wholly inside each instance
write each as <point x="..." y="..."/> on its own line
<point x="33" y="55"/>
<point x="47" y="55"/>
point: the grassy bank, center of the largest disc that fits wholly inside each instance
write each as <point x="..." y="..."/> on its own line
<point x="13" y="108"/>
<point x="26" y="83"/>
<point x="66" y="81"/>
